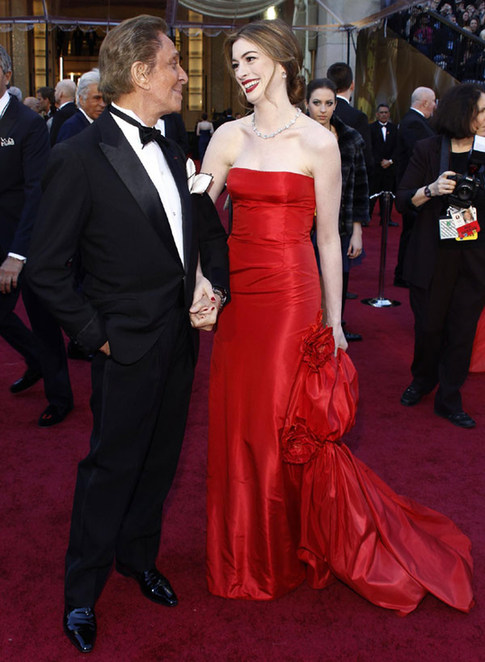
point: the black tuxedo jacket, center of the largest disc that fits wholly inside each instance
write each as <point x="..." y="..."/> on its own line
<point x="74" y="125"/>
<point x="413" y="127"/>
<point x="59" y="118"/>
<point x="24" y="148"/>
<point x="98" y="199"/>
<point x="423" y="168"/>
<point x="358" y="121"/>
<point x="175" y="129"/>
<point x="383" y="149"/>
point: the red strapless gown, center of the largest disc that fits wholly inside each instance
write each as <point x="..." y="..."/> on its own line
<point x="270" y="523"/>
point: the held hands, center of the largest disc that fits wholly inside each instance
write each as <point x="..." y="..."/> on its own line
<point x="443" y="185"/>
<point x="205" y="306"/>
<point x="9" y="274"/>
<point x="105" y="349"/>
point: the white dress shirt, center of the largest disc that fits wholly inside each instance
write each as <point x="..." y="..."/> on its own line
<point x="154" y="162"/>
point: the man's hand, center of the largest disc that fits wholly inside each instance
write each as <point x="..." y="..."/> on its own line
<point x="9" y="274"/>
<point x="105" y="349"/>
<point x="386" y="163"/>
<point x="205" y="306"/>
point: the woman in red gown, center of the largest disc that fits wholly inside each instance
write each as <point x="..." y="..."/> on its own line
<point x="287" y="500"/>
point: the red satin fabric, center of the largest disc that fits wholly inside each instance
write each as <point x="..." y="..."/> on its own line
<point x="477" y="363"/>
<point x="270" y="522"/>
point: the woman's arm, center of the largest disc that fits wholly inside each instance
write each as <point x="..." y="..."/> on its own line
<point x="328" y="185"/>
<point x="220" y="156"/>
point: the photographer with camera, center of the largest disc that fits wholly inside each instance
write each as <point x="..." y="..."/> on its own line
<point x="445" y="259"/>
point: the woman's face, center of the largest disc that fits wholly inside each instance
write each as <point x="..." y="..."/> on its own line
<point x="321" y="105"/>
<point x="255" y="71"/>
<point x="477" y="124"/>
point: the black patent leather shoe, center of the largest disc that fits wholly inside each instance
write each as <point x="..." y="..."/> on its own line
<point x="52" y="415"/>
<point x="411" y="396"/>
<point x="459" y="418"/>
<point x="154" y="585"/>
<point x="80" y="628"/>
<point x="28" y="379"/>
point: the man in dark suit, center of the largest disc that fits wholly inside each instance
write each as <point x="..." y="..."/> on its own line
<point x="384" y="142"/>
<point x="91" y="105"/>
<point x="155" y="259"/>
<point x="341" y="74"/>
<point x="65" y="94"/>
<point x="414" y="126"/>
<point x="24" y="149"/>
<point x="175" y="130"/>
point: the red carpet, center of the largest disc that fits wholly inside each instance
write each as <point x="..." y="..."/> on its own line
<point x="416" y="452"/>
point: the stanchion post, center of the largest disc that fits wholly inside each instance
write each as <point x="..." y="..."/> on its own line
<point x="380" y="301"/>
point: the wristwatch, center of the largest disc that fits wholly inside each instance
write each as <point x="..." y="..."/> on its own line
<point x="427" y="192"/>
<point x="223" y="294"/>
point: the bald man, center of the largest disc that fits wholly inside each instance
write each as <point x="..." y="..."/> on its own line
<point x="65" y="93"/>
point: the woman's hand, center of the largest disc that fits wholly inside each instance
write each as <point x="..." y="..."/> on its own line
<point x="339" y="338"/>
<point x="355" y="245"/>
<point x="205" y="305"/>
<point x="443" y="185"/>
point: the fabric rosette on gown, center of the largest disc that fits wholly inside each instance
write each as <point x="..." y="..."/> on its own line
<point x="388" y="548"/>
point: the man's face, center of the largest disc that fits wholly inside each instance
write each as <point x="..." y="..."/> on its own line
<point x="167" y="78"/>
<point x="429" y="105"/>
<point x="58" y="95"/>
<point x="92" y="104"/>
<point x="383" y="114"/>
<point x="44" y="103"/>
<point x="4" y="81"/>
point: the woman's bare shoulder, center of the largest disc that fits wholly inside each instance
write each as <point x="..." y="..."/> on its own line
<point x="316" y="136"/>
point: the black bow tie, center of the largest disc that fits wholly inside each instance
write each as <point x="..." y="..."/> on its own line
<point x="147" y="133"/>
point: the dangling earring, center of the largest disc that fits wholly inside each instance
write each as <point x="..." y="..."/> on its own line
<point x="283" y="75"/>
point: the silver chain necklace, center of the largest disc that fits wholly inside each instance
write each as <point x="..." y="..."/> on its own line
<point x="275" y="133"/>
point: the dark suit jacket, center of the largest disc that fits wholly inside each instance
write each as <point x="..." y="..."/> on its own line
<point x="59" y="118"/>
<point x="74" y="125"/>
<point x="99" y="199"/>
<point x="358" y="121"/>
<point x="24" y="148"/>
<point x="423" y="168"/>
<point x="175" y="130"/>
<point x="413" y="127"/>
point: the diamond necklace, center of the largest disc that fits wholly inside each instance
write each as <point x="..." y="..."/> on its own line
<point x="275" y="133"/>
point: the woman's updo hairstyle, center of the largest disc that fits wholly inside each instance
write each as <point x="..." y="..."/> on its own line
<point x="276" y="39"/>
<point x="318" y="84"/>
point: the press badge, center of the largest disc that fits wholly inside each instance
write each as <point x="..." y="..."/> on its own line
<point x="460" y="224"/>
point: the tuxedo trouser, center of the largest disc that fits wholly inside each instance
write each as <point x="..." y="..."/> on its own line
<point x="43" y="350"/>
<point x="382" y="180"/>
<point x="14" y="331"/>
<point x="139" y="415"/>
<point x="446" y="316"/>
<point x="53" y="357"/>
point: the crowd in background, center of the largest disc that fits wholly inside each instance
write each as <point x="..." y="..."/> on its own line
<point x="440" y="37"/>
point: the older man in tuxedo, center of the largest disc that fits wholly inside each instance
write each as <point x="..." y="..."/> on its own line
<point x="155" y="259"/>
<point x="90" y="106"/>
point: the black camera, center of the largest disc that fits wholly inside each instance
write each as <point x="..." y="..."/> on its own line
<point x="465" y="191"/>
<point x="467" y="186"/>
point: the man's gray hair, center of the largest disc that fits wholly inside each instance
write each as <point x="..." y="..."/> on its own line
<point x="87" y="79"/>
<point x="5" y="61"/>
